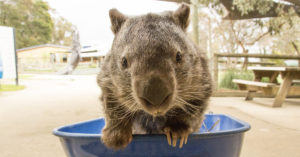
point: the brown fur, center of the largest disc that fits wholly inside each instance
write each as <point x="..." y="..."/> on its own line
<point x="153" y="89"/>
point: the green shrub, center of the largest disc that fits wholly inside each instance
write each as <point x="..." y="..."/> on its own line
<point x="265" y="79"/>
<point x="230" y="74"/>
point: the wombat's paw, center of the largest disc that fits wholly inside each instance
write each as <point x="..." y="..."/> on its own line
<point x="116" y="139"/>
<point x="175" y="133"/>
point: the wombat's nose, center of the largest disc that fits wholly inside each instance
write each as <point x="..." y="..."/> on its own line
<point x="155" y="92"/>
<point x="156" y="102"/>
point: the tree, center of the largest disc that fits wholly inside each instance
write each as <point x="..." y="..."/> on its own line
<point x="288" y="41"/>
<point x="63" y="31"/>
<point x="31" y="20"/>
<point x="249" y="9"/>
<point x="227" y="35"/>
<point x="258" y="19"/>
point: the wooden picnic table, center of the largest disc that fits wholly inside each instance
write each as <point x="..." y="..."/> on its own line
<point x="288" y="74"/>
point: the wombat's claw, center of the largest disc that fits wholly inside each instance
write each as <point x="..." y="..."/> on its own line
<point x="183" y="137"/>
<point x="168" y="134"/>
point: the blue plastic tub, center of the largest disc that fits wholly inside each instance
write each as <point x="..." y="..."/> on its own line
<point x="224" y="140"/>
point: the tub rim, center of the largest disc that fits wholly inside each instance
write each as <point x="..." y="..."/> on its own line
<point x="245" y="127"/>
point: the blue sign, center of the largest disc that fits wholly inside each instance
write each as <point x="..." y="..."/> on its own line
<point x="1" y="67"/>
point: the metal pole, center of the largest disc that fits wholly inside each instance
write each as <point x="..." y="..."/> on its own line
<point x="16" y="57"/>
<point x="209" y="39"/>
<point x="195" y="21"/>
<point x="216" y="72"/>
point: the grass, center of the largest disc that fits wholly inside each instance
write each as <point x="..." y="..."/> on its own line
<point x="10" y="87"/>
<point x="230" y="74"/>
<point x="25" y="76"/>
<point x="93" y="66"/>
<point x="39" y="70"/>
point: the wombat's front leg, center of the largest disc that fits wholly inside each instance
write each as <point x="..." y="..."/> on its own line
<point x="117" y="134"/>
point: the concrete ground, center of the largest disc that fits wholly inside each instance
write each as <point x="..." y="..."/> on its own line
<point x="28" y="117"/>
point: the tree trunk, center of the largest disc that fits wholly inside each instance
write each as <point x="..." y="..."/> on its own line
<point x="245" y="65"/>
<point x="297" y="50"/>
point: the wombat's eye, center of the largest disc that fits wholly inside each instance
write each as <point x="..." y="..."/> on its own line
<point x="124" y="62"/>
<point x="178" y="57"/>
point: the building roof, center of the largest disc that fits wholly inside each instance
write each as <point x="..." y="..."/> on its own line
<point x="91" y="54"/>
<point x="93" y="51"/>
<point x="43" y="45"/>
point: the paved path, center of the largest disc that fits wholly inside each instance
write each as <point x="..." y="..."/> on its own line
<point x="28" y="117"/>
<point x="274" y="131"/>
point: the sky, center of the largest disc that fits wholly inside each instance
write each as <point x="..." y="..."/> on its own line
<point x="92" y="20"/>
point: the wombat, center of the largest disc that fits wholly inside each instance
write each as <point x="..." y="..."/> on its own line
<point x="154" y="80"/>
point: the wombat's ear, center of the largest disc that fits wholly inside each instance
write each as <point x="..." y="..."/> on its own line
<point x="116" y="19"/>
<point x="181" y="16"/>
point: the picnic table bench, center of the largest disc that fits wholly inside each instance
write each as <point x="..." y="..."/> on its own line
<point x="290" y="76"/>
